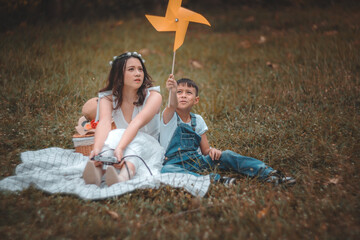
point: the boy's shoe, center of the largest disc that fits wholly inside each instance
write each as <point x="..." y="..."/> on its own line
<point x="91" y="175"/>
<point x="227" y="181"/>
<point x="276" y="177"/>
<point x="111" y="176"/>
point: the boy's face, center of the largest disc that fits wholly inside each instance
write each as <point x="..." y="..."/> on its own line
<point x="186" y="97"/>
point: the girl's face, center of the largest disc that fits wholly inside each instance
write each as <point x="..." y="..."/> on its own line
<point x="133" y="74"/>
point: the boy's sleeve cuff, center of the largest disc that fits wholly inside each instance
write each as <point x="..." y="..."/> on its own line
<point x="204" y="131"/>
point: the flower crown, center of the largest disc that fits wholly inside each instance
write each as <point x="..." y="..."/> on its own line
<point x="127" y="54"/>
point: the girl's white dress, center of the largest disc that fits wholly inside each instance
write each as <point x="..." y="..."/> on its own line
<point x="146" y="143"/>
<point x="57" y="170"/>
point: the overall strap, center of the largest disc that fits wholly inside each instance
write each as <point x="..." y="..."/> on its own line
<point x="193" y="120"/>
<point x="178" y="119"/>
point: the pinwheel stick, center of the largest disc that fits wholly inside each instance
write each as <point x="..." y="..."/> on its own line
<point x="172" y="72"/>
<point x="173" y="63"/>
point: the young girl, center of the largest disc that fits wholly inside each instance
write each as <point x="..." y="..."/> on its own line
<point x="130" y="100"/>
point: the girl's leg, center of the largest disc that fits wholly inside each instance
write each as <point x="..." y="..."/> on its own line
<point x="112" y="176"/>
<point x="92" y="174"/>
<point x="127" y="173"/>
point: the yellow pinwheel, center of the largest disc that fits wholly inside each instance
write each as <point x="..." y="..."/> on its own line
<point x="176" y="19"/>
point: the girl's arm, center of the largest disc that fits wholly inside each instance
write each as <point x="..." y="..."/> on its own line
<point x="151" y="108"/>
<point x="104" y="126"/>
<point x="205" y="148"/>
<point x="170" y="109"/>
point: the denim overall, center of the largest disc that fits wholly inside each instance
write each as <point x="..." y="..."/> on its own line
<point x="182" y="156"/>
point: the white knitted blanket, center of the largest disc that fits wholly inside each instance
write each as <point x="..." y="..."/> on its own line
<point x="57" y="170"/>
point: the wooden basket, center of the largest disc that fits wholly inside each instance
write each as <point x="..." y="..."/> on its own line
<point x="83" y="143"/>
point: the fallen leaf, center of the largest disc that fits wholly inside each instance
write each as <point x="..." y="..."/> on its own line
<point x="245" y="44"/>
<point x="272" y="65"/>
<point x="179" y="74"/>
<point x="250" y="19"/>
<point x="323" y="23"/>
<point x="116" y="24"/>
<point x="262" y="40"/>
<point x="324" y="226"/>
<point x="160" y="53"/>
<point x="144" y="51"/>
<point x="113" y="214"/>
<point x="196" y="64"/>
<point x="23" y="24"/>
<point x="356" y="43"/>
<point x="262" y="213"/>
<point x="290" y="56"/>
<point x="331" y="33"/>
<point x="334" y="180"/>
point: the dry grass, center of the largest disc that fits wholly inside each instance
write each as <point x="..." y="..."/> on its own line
<point x="290" y="98"/>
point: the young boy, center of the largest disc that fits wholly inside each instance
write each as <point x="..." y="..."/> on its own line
<point x="183" y="134"/>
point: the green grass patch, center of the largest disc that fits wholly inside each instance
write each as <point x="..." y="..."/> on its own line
<point x="281" y="86"/>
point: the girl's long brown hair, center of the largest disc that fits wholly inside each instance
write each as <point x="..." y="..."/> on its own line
<point x="115" y="81"/>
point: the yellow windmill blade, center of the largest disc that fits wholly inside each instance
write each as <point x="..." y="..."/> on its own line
<point x="172" y="8"/>
<point x="161" y="24"/>
<point x="180" y="34"/>
<point x="176" y="19"/>
<point x="191" y="16"/>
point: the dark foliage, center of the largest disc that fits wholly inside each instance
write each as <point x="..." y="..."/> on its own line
<point x="15" y="12"/>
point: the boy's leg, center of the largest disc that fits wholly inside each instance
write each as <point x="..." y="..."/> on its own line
<point x="177" y="168"/>
<point x="231" y="161"/>
<point x="189" y="162"/>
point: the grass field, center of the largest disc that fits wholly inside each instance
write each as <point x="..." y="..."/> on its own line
<point x="282" y="86"/>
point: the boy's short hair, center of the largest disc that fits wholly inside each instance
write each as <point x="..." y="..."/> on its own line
<point x="189" y="83"/>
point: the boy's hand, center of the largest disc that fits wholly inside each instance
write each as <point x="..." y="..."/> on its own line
<point x="171" y="84"/>
<point x="170" y="109"/>
<point x="215" y="154"/>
